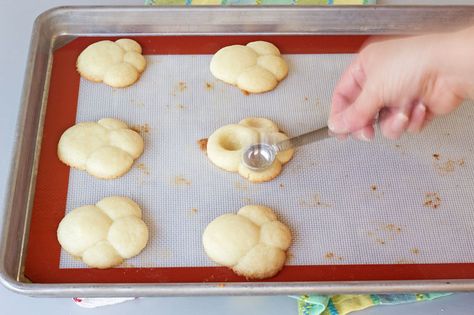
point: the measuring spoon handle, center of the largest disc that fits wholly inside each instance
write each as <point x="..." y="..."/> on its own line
<point x="306" y="138"/>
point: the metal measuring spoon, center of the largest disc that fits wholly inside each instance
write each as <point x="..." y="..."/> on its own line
<point x="260" y="156"/>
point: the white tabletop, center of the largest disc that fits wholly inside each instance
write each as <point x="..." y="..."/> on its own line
<point x="16" y="19"/>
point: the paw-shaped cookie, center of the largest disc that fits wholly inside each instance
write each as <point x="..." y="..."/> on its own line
<point x="105" y="234"/>
<point x="252" y="242"/>
<point x="255" y="68"/>
<point x="226" y="146"/>
<point x="118" y="64"/>
<point x="105" y="149"/>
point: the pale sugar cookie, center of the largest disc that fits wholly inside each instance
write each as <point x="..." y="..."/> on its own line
<point x="118" y="64"/>
<point x="253" y="243"/>
<point x="227" y="144"/>
<point x="105" y="149"/>
<point x="104" y="234"/>
<point x="254" y="68"/>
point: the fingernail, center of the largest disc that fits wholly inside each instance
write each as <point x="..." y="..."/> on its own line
<point x="337" y="125"/>
<point x="417" y="118"/>
<point x="365" y="137"/>
<point x="420" y="107"/>
<point x="400" y="122"/>
<point x="331" y="126"/>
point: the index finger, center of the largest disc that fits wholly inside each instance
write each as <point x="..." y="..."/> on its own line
<point x="348" y="88"/>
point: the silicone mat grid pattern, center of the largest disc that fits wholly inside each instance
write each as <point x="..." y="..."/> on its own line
<point x="345" y="202"/>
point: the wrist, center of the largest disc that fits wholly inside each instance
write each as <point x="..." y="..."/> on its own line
<point x="456" y="60"/>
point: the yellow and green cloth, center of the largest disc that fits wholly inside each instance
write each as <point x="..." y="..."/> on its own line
<point x="259" y="2"/>
<point x="347" y="303"/>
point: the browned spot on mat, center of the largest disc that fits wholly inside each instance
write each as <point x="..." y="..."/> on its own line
<point x="400" y="149"/>
<point x="393" y="228"/>
<point x="192" y="213"/>
<point x="247" y="200"/>
<point x="448" y="166"/>
<point x="202" y="144"/>
<point x="181" y="106"/>
<point x="142" y="167"/>
<point x="209" y="86"/>
<point x="332" y="256"/>
<point x="282" y="185"/>
<point x="180" y="87"/>
<point x="305" y="98"/>
<point x="179" y="180"/>
<point x="141" y="129"/>
<point x="376" y="191"/>
<point x="329" y="255"/>
<point x="384" y="233"/>
<point x="380" y="241"/>
<point x="432" y="200"/>
<point x="221" y="285"/>
<point x="415" y="251"/>
<point x="241" y="185"/>
<point x="314" y="202"/>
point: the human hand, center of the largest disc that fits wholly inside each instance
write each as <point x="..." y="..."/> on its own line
<point x="403" y="81"/>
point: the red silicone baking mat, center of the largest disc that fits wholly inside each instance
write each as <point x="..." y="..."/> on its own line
<point x="43" y="262"/>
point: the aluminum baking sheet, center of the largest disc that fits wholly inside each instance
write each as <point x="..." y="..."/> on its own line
<point x="386" y="202"/>
<point x="29" y="253"/>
